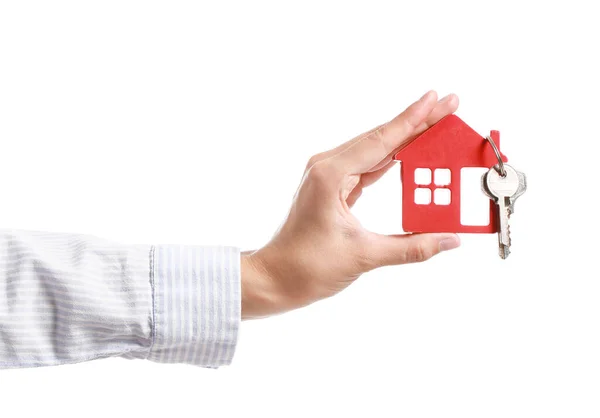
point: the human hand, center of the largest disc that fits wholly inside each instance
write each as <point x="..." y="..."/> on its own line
<point x="322" y="248"/>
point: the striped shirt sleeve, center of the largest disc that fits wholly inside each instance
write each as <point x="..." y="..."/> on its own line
<point x="69" y="298"/>
<point x="186" y="278"/>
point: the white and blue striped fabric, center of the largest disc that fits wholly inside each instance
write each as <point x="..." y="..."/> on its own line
<point x="69" y="298"/>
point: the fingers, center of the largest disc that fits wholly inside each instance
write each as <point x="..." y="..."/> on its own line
<point x="369" y="178"/>
<point x="387" y="250"/>
<point x="330" y="153"/>
<point x="370" y="150"/>
<point x="444" y="107"/>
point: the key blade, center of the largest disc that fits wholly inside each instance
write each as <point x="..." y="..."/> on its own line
<point x="504" y="215"/>
<point x="504" y="241"/>
<point x="503" y="212"/>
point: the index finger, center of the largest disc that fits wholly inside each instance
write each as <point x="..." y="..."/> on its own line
<point x="373" y="148"/>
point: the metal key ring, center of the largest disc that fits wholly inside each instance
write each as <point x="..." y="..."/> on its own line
<point x="502" y="170"/>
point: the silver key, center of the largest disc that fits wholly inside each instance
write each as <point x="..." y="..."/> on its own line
<point x="504" y="191"/>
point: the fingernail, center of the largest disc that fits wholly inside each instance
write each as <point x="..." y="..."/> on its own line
<point x="445" y="98"/>
<point x="450" y="98"/>
<point x="426" y="95"/>
<point x="449" y="243"/>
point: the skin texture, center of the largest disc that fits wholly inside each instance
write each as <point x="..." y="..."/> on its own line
<point x="321" y="248"/>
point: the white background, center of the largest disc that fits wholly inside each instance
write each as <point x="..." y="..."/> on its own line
<point x="191" y="122"/>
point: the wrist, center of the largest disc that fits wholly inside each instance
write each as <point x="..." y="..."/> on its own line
<point x="260" y="295"/>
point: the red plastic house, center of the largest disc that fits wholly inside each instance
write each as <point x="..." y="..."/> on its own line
<point x="442" y="151"/>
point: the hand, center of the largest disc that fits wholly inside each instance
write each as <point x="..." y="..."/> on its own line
<point x="322" y="248"/>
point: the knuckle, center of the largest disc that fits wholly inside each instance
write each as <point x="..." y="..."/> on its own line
<point x="363" y="259"/>
<point x="364" y="263"/>
<point x="312" y="161"/>
<point x="377" y="138"/>
<point x="367" y="257"/>
<point x="419" y="253"/>
<point x="320" y="171"/>
<point x="367" y="261"/>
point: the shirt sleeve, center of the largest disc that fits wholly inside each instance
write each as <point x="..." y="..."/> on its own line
<point x="69" y="298"/>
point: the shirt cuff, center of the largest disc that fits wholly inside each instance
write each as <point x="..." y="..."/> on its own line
<point x="196" y="304"/>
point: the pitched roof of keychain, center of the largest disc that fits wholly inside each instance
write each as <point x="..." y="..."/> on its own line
<point x="432" y="203"/>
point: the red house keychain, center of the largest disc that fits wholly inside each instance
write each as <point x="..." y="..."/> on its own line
<point x="431" y="202"/>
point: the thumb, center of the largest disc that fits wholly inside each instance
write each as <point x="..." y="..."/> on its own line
<point x="410" y="248"/>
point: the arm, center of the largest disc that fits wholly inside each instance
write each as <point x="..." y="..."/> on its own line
<point x="68" y="298"/>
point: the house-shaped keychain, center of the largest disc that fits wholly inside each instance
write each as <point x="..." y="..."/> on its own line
<point x="430" y="175"/>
